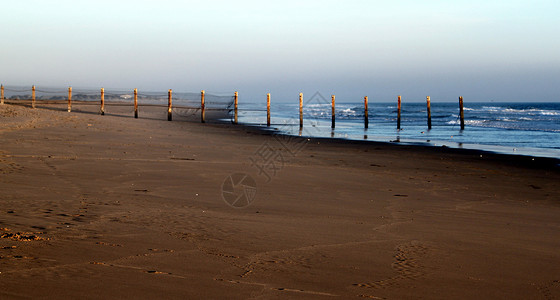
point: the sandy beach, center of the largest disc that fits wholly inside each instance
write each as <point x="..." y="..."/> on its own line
<point x="110" y="206"/>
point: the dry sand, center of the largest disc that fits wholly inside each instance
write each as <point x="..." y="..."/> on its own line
<point x="115" y="207"/>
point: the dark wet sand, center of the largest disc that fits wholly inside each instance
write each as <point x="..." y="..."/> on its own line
<point x="115" y="207"/>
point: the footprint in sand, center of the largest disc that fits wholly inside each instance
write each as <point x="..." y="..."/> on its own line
<point x="550" y="290"/>
<point x="406" y="264"/>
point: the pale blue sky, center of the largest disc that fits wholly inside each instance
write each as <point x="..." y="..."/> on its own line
<point x="482" y="50"/>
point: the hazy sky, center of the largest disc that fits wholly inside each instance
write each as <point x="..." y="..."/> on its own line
<point x="481" y="49"/>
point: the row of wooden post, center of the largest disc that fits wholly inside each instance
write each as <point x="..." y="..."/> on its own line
<point x="102" y="105"/>
<point x="366" y="116"/>
<point x="169" y="103"/>
<point x="202" y="107"/>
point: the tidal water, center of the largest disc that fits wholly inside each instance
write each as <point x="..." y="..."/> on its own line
<point x="510" y="128"/>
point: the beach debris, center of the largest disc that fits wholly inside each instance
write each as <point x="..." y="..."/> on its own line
<point x="108" y="244"/>
<point x="157" y="272"/>
<point x="22" y="236"/>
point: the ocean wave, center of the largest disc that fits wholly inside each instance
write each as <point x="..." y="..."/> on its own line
<point x="506" y="119"/>
<point x="532" y="111"/>
<point x="468" y="122"/>
<point x="317" y="105"/>
<point x="348" y="112"/>
<point x="550" y="113"/>
<point x="503" y="124"/>
<point x="515" y="111"/>
<point x="491" y="108"/>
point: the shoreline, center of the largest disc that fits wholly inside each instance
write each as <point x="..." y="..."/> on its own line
<point x="530" y="161"/>
<point x="111" y="206"/>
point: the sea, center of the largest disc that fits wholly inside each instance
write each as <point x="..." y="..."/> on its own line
<point x="531" y="129"/>
<point x="518" y="128"/>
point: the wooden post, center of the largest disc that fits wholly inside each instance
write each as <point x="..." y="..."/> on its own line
<point x="202" y="107"/>
<point x="102" y="109"/>
<point x="2" y="94"/>
<point x="366" y="113"/>
<point x="429" y="113"/>
<point x="268" y="109"/>
<point x="235" y="108"/>
<point x="332" y="111"/>
<point x="461" y="113"/>
<point x="136" y="103"/>
<point x="69" y="99"/>
<point x="399" y="113"/>
<point x="33" y="96"/>
<point x="300" y="111"/>
<point x="169" y="106"/>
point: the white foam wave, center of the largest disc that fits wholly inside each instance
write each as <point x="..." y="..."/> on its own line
<point x="468" y="122"/>
<point x="316" y="105"/>
<point x="529" y="111"/>
<point x="348" y="112"/>
<point x="532" y="111"/>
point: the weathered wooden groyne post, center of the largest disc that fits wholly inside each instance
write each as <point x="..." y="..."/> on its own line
<point x="399" y="112"/>
<point x="268" y="109"/>
<point x="136" y="103"/>
<point x="102" y="108"/>
<point x="235" y="96"/>
<point x="461" y="113"/>
<point x="169" y="105"/>
<point x="300" y="111"/>
<point x="429" y="112"/>
<point x="332" y="112"/>
<point x="69" y="99"/>
<point x="33" y="97"/>
<point x="366" y="117"/>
